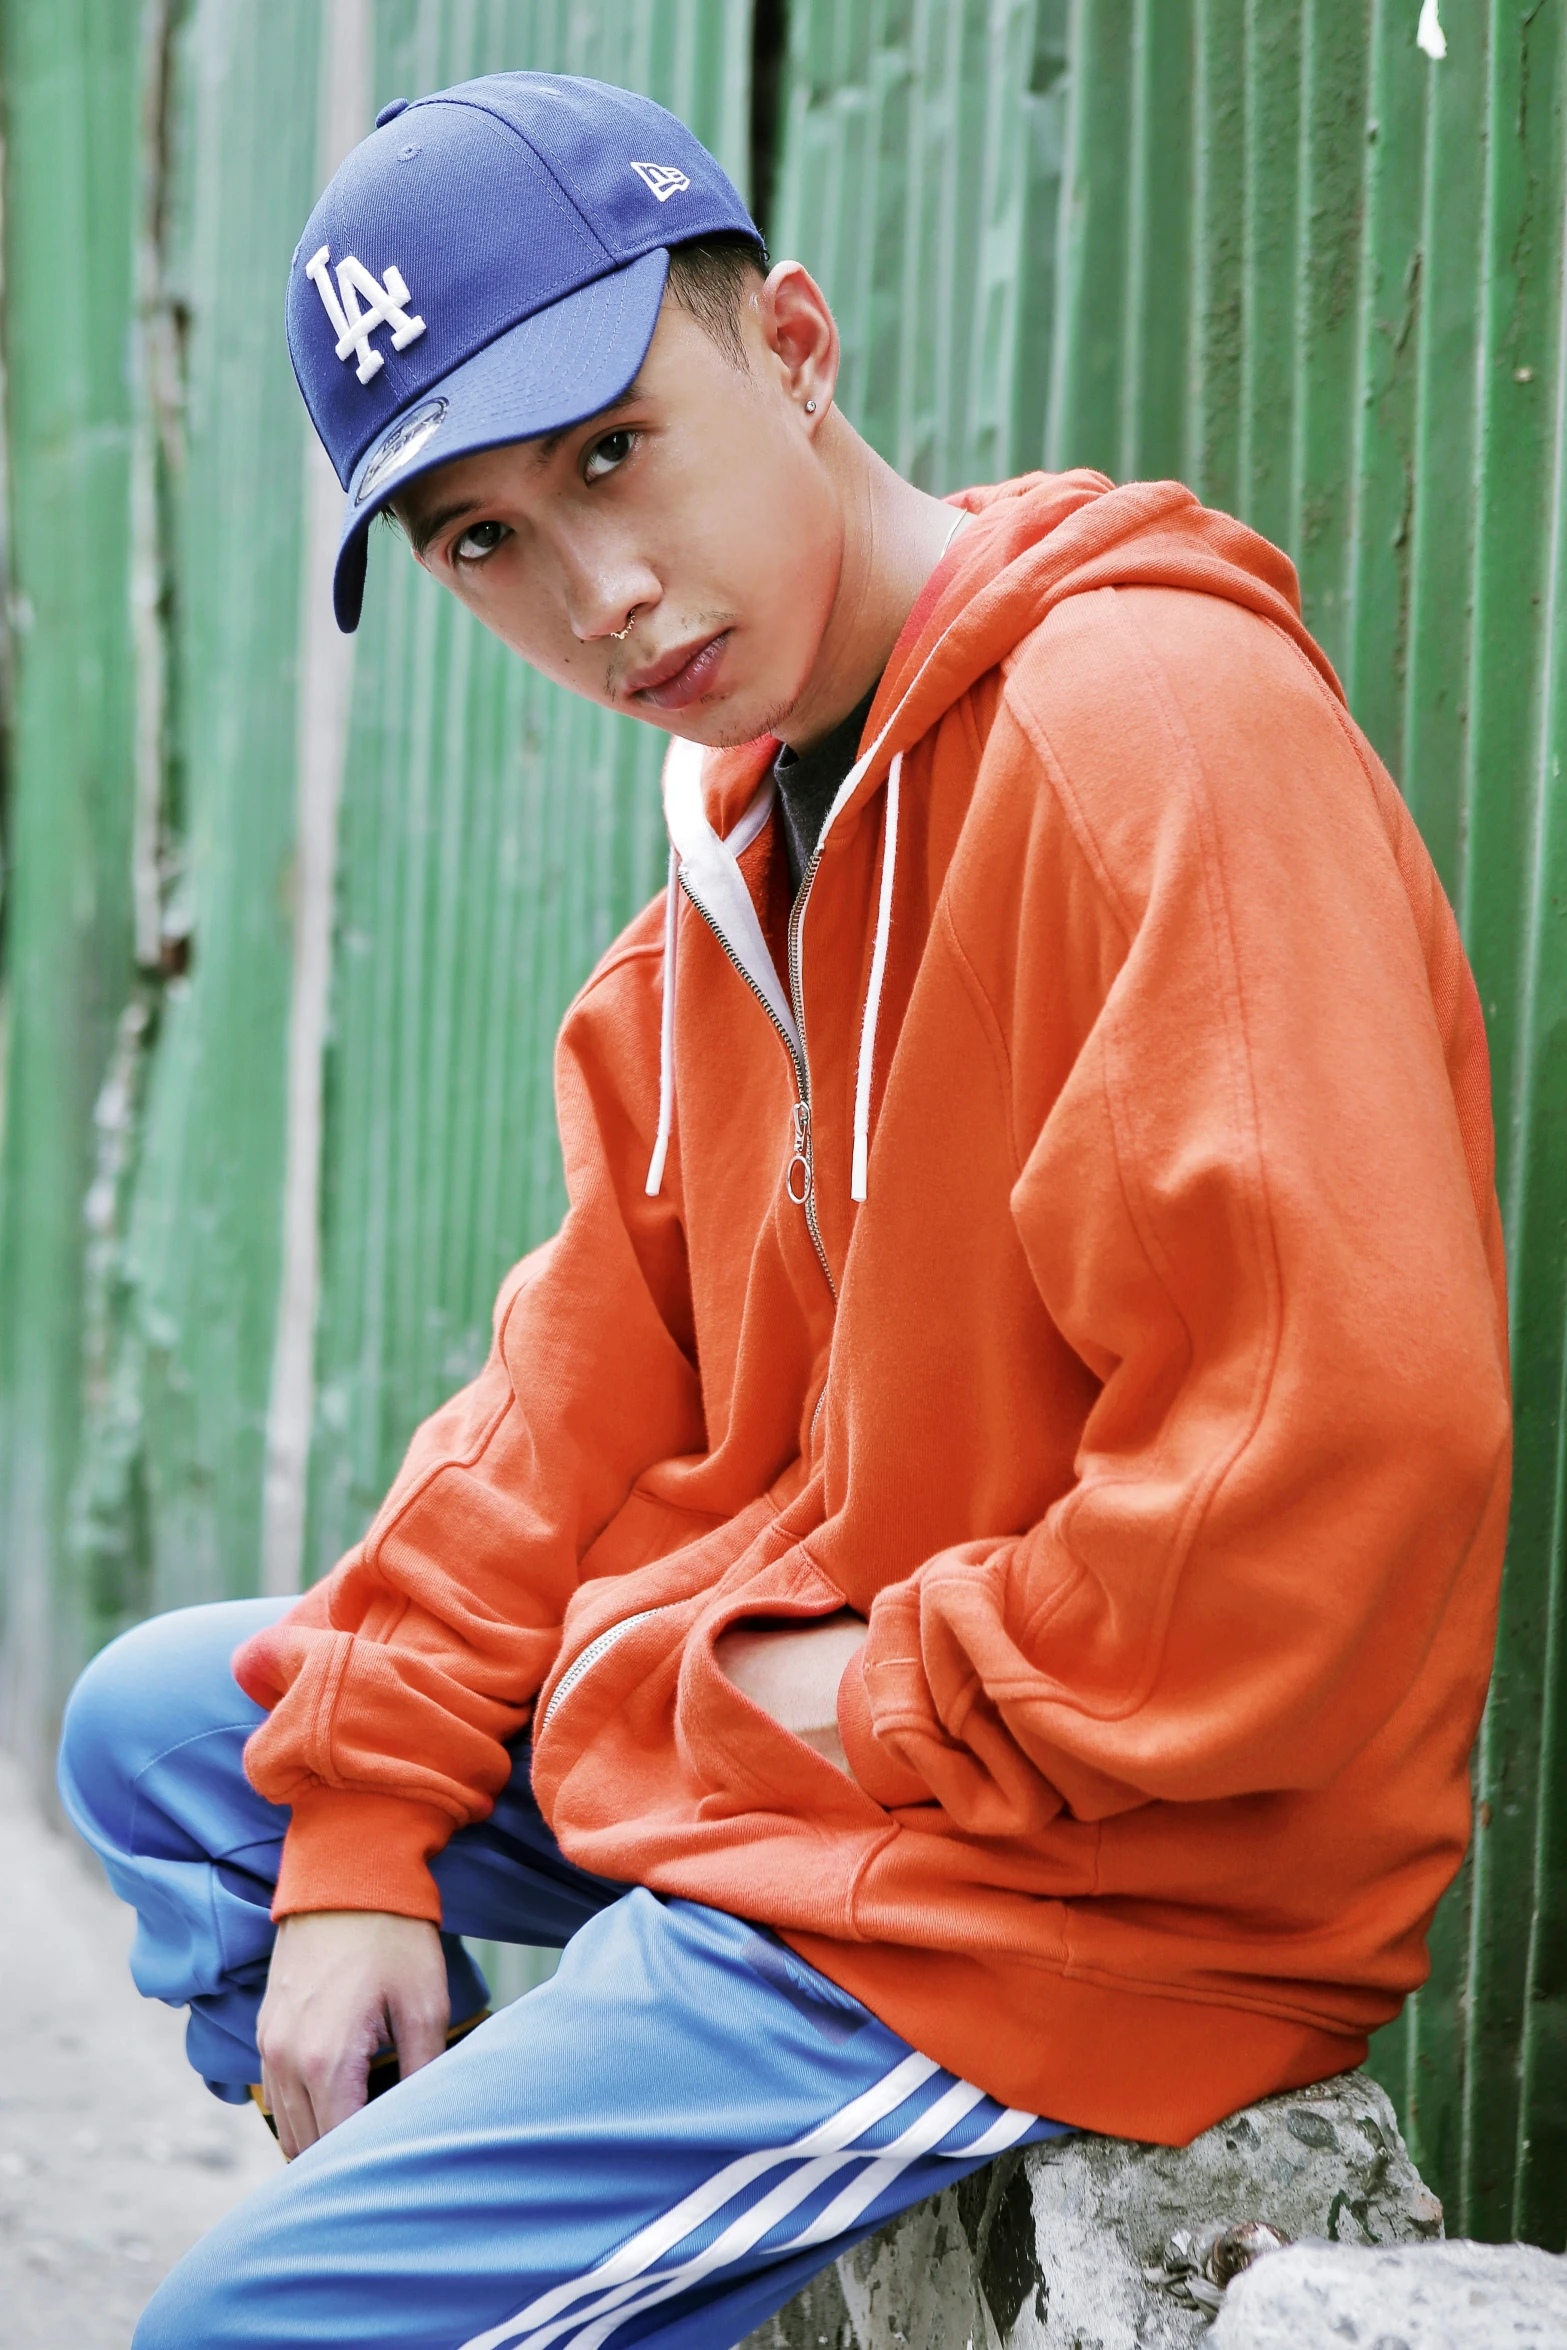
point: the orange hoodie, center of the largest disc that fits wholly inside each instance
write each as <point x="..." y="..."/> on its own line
<point x="1141" y="1376"/>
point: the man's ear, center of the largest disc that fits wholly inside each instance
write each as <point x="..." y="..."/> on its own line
<point x="801" y="333"/>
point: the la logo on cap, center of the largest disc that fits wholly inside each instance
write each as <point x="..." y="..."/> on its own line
<point x="662" y="178"/>
<point x="388" y="302"/>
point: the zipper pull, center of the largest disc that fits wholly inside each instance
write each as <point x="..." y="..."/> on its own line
<point x="802" y="1156"/>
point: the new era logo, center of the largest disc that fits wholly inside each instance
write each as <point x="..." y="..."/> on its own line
<point x="388" y="302"/>
<point x="662" y="178"/>
<point x="402" y="446"/>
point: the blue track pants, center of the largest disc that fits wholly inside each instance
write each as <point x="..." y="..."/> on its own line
<point x="658" y="2146"/>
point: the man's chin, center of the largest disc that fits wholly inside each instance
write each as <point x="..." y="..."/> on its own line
<point x="723" y="728"/>
<point x="732" y="738"/>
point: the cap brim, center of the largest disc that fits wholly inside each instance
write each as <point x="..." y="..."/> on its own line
<point x="556" y="368"/>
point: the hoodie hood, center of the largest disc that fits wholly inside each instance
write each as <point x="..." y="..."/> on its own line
<point x="1032" y="543"/>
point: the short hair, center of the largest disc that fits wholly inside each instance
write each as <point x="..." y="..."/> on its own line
<point x="709" y="277"/>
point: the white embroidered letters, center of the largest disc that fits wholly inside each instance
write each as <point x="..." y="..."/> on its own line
<point x="388" y="306"/>
<point x="662" y="178"/>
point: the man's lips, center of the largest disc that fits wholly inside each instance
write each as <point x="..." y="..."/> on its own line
<point x="681" y="676"/>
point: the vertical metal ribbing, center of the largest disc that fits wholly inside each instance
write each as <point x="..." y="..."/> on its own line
<point x="494" y="835"/>
<point x="1141" y="103"/>
<point x="1512" y="873"/>
<point x="1270" y="383"/>
<point x="1372" y="376"/>
<point x="325" y="686"/>
<point x="71" y="184"/>
<point x="1539" y="2151"/>
<point x="1216" y="331"/>
<point x="1164" y="232"/>
<point x="1329" y="263"/>
<point x="1379" y="517"/>
<point x="149" y="369"/>
<point x="1089" y="355"/>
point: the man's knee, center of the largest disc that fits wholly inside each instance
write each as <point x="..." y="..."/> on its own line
<point x="166" y="1682"/>
<point x="189" y="2311"/>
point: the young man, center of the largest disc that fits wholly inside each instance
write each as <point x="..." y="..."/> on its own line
<point x="965" y="1588"/>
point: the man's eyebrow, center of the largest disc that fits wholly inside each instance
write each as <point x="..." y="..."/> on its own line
<point x="544" y="448"/>
<point x="424" y="527"/>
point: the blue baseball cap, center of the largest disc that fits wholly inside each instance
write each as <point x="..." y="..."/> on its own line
<point x="487" y="266"/>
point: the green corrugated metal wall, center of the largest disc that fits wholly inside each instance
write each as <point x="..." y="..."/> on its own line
<point x="199" y="1268"/>
<point x="920" y="181"/>
<point x="1319" y="274"/>
<point x="1267" y="245"/>
<point x="71" y="130"/>
<point x="496" y="835"/>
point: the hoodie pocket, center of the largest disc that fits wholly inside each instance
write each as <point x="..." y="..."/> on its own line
<point x="583" y="1663"/>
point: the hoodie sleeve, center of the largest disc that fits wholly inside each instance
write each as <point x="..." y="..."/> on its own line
<point x="1260" y="1208"/>
<point x="394" y="1685"/>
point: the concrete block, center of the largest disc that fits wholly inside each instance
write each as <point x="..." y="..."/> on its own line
<point x="1405" y="2297"/>
<point x="1103" y="2244"/>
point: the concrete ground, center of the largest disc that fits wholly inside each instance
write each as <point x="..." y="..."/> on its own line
<point x="113" y="2157"/>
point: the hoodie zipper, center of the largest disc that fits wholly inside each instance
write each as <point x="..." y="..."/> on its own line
<point x="588" y="1659"/>
<point x="803" y="1155"/>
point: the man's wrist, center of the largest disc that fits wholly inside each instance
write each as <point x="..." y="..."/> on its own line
<point x="357" y="1849"/>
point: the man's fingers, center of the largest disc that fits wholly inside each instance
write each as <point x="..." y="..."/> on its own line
<point x="419" y="2007"/>
<point x="311" y="2089"/>
<point x="336" y="1980"/>
<point x="337" y="2090"/>
<point x="419" y="2018"/>
<point x="314" y="2096"/>
<point x="291" y="2110"/>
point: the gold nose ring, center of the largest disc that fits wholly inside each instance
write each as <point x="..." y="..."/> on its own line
<point x="620" y="634"/>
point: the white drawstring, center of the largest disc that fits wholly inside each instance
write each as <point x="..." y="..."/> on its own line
<point x="710" y="867"/>
<point x="862" y="1083"/>
<point x="666" y="1031"/>
<point x="710" y="864"/>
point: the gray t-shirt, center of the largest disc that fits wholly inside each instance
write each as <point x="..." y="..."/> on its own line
<point x="808" y="784"/>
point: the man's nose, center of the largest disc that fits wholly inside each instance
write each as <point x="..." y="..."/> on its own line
<point x="602" y="600"/>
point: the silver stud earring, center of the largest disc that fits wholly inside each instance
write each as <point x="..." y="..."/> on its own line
<point x="810" y="407"/>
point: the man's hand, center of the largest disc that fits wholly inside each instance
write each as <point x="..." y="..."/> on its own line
<point x="794" y="1675"/>
<point x="343" y="1982"/>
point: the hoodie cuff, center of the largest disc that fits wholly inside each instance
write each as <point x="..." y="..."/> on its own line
<point x="350" y="1850"/>
<point x="885" y="1779"/>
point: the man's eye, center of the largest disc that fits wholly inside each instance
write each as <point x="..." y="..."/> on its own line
<point x="606" y="454"/>
<point x="478" y="540"/>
